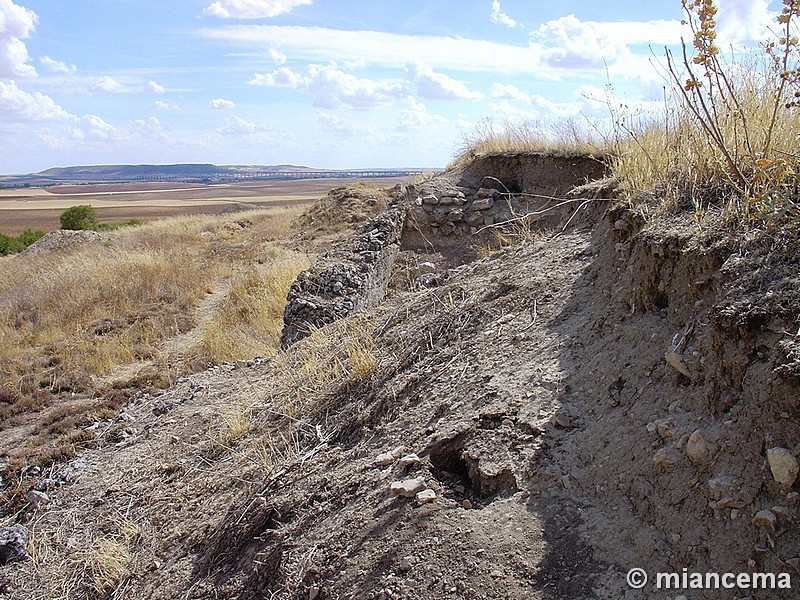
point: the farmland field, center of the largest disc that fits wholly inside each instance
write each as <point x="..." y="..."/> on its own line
<point x="40" y="208"/>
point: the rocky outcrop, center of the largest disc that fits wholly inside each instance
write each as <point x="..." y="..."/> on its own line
<point x="345" y="281"/>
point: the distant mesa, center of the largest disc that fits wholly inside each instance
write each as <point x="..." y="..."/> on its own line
<point x="190" y="173"/>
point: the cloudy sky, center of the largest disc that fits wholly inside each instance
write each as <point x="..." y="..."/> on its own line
<point x="323" y="83"/>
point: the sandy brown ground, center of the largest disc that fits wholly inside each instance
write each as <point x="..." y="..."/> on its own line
<point x="40" y="208"/>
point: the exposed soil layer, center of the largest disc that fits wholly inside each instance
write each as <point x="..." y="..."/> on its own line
<point x="595" y="399"/>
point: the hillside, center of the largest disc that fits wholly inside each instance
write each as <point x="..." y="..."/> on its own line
<point x="582" y="390"/>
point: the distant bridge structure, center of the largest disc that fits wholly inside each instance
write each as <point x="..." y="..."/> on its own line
<point x="271" y="174"/>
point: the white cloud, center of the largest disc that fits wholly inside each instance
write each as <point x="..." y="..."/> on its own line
<point x="41" y="116"/>
<point x="417" y="115"/>
<point x="277" y="56"/>
<point x="544" y="56"/>
<point x="438" y="86"/>
<point x="332" y="87"/>
<point x="222" y="104"/>
<point x="744" y="22"/>
<point x="283" y="77"/>
<point x="16" y="24"/>
<point x="338" y="125"/>
<point x="252" y="9"/>
<point x="57" y="66"/>
<point x="319" y="44"/>
<point x="97" y="127"/>
<point x="105" y="84"/>
<point x="154" y="88"/>
<point x="510" y="92"/>
<point x="238" y="126"/>
<point x="161" y="105"/>
<point x="17" y="105"/>
<point x="574" y="44"/>
<point x="501" y="18"/>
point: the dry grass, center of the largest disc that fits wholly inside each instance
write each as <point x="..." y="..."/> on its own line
<point x="567" y="136"/>
<point x="342" y="352"/>
<point x="249" y="319"/>
<point x="71" y="320"/>
<point x="82" y="562"/>
<point x="675" y="159"/>
<point x="235" y="424"/>
<point x="727" y="135"/>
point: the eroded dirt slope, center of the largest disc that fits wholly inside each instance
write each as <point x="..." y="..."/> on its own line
<point x="581" y="404"/>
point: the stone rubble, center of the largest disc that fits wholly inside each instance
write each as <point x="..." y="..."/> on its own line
<point x="407" y="488"/>
<point x="12" y="544"/>
<point x="357" y="280"/>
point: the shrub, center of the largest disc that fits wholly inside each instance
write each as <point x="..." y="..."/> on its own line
<point x="12" y="245"/>
<point x="81" y="216"/>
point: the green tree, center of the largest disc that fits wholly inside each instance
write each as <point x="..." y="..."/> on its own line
<point x="81" y="216"/>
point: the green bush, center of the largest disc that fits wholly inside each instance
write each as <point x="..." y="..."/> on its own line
<point x="81" y="216"/>
<point x="12" y="245"/>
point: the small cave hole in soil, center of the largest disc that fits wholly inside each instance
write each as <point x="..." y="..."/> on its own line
<point x="450" y="468"/>
<point x="462" y="480"/>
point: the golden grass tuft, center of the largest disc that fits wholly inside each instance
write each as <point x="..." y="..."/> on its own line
<point x="235" y="424"/>
<point x="106" y="565"/>
<point x="343" y="352"/>
<point x="567" y="136"/>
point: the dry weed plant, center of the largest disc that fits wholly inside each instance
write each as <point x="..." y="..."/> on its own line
<point x="76" y="561"/>
<point x="248" y="321"/>
<point x="567" y="136"/>
<point x="731" y="130"/>
<point x="727" y="135"/>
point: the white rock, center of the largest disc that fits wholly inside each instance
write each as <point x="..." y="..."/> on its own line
<point x="384" y="459"/>
<point x="665" y="458"/>
<point x="406" y="564"/>
<point x="387" y="458"/>
<point x="783" y="465"/>
<point x="37" y="499"/>
<point x="720" y="486"/>
<point x="666" y="429"/>
<point x="765" y="519"/>
<point x="697" y="449"/>
<point x="410" y="459"/>
<point x="426" y="496"/>
<point x="407" y="488"/>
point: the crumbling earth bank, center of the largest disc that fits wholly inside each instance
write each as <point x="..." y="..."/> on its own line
<point x="612" y="396"/>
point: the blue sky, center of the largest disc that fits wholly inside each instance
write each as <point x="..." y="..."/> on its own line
<point x="323" y="83"/>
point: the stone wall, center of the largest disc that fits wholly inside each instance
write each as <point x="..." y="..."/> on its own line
<point x="346" y="280"/>
<point x="493" y="189"/>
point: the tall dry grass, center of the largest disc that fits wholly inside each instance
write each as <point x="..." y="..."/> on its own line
<point x="727" y="134"/>
<point x="96" y="320"/>
<point x="249" y="320"/>
<point x="566" y="136"/>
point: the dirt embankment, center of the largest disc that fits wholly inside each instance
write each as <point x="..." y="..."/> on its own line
<point x="610" y="394"/>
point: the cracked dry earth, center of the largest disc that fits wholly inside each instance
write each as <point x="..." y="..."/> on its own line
<point x="533" y="386"/>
